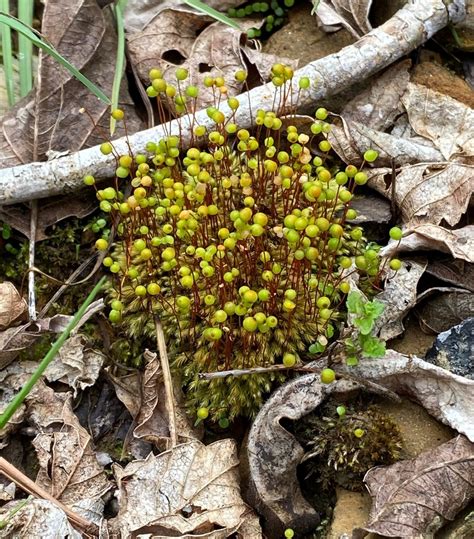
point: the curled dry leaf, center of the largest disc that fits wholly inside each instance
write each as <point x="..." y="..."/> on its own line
<point x="68" y="466"/>
<point x="459" y="243"/>
<point x="274" y="454"/>
<point x="399" y="296"/>
<point x="12" y="306"/>
<point x="448" y="123"/>
<point x="48" y="119"/>
<point x="379" y="105"/>
<point x="152" y="418"/>
<point x="36" y="518"/>
<point x="447" y="307"/>
<point x="415" y="497"/>
<point x="428" y="193"/>
<point x="352" y="14"/>
<point x="189" y="490"/>
<point x="76" y="364"/>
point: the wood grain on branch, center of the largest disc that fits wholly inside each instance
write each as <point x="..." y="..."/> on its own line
<point x="411" y="26"/>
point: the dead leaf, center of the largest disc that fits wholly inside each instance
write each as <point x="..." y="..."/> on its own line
<point x="399" y="296"/>
<point x="185" y="39"/>
<point x="189" y="490"/>
<point x="459" y="243"/>
<point x="415" y="497"/>
<point x="352" y="14"/>
<point x="76" y="364"/>
<point x="68" y="467"/>
<point x="274" y="454"/>
<point x="152" y="418"/>
<point x="379" y="105"/>
<point x="52" y="211"/>
<point x="448" y="123"/>
<point x="37" y="518"/>
<point x="12" y="306"/>
<point x="48" y="119"/>
<point x="455" y="272"/>
<point x="429" y="193"/>
<point x="448" y="306"/>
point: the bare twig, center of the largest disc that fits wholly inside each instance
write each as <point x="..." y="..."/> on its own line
<point x="31" y="260"/>
<point x="168" y="382"/>
<point x="26" y="484"/>
<point x="241" y="372"/>
<point x="411" y="26"/>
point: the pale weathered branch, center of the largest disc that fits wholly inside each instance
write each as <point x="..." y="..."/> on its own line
<point x="411" y="26"/>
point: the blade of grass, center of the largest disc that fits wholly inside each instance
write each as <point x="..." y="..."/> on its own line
<point x="7" y="54"/>
<point x="25" y="48"/>
<point x="25" y="390"/>
<point x="119" y="8"/>
<point x="11" y="22"/>
<point x="217" y="15"/>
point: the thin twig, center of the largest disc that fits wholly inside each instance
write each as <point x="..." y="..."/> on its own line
<point x="26" y="484"/>
<point x="241" y="372"/>
<point x="168" y="382"/>
<point x="31" y="260"/>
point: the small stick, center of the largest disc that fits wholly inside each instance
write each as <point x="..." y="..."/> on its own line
<point x="31" y="261"/>
<point x="241" y="372"/>
<point x="168" y="382"/>
<point x="29" y="486"/>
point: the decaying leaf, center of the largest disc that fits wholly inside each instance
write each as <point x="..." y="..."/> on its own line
<point x="189" y="490"/>
<point x="36" y="518"/>
<point x="399" y="296"/>
<point x="352" y="14"/>
<point x="48" y="119"/>
<point x="274" y="454"/>
<point x="459" y="243"/>
<point x="441" y="308"/>
<point x="68" y="466"/>
<point x="12" y="306"/>
<point x="152" y="418"/>
<point x="455" y="272"/>
<point x="76" y="364"/>
<point x="415" y="497"/>
<point x="448" y="123"/>
<point x="429" y="193"/>
<point x="379" y="105"/>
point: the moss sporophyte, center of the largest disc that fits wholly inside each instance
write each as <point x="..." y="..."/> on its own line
<point x="239" y="243"/>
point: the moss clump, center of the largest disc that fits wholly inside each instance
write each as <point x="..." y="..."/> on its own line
<point x="239" y="243"/>
<point x="342" y="444"/>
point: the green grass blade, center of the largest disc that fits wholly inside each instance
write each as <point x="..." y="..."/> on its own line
<point x="120" y="60"/>
<point x="7" y="54"/>
<point x="25" y="390"/>
<point x="11" y="22"/>
<point x="25" y="48"/>
<point x="203" y="8"/>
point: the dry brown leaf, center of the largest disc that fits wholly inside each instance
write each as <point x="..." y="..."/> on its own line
<point x="429" y="193"/>
<point x="399" y="296"/>
<point x="449" y="307"/>
<point x="415" y="497"/>
<point x="12" y="306"/>
<point x="448" y="123"/>
<point x="48" y="119"/>
<point x="459" y="243"/>
<point x="274" y="454"/>
<point x="52" y="211"/>
<point x="379" y="105"/>
<point x="455" y="272"/>
<point x="352" y="14"/>
<point x="76" y="364"/>
<point x="186" y="39"/>
<point x="37" y="518"/>
<point x="152" y="418"/>
<point x="69" y="469"/>
<point x="190" y="490"/>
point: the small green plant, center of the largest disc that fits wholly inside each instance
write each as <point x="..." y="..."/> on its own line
<point x="239" y="243"/>
<point x="365" y="313"/>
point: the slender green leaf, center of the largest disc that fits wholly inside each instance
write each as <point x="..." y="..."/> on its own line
<point x="217" y="15"/>
<point x="7" y="54"/>
<point x="119" y="9"/>
<point x="25" y="390"/>
<point x="25" y="48"/>
<point x="11" y="22"/>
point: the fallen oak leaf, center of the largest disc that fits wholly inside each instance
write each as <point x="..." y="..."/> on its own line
<point x="12" y="306"/>
<point x="415" y="497"/>
<point x="190" y="488"/>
